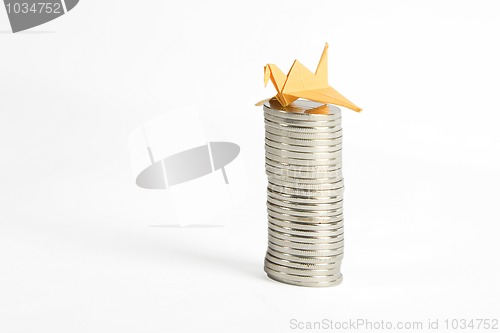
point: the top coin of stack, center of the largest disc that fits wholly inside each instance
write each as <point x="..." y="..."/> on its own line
<point x="303" y="146"/>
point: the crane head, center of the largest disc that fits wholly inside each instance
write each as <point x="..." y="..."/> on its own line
<point x="267" y="74"/>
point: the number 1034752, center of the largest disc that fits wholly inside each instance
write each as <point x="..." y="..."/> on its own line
<point x="34" y="8"/>
<point x="471" y="324"/>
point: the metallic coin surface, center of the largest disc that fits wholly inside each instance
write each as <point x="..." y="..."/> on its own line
<point x="303" y="164"/>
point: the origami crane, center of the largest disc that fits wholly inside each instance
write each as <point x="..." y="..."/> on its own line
<point x="302" y="83"/>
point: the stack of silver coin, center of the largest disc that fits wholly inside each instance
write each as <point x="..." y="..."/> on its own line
<point x="305" y="191"/>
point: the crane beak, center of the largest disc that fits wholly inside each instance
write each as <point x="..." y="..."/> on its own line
<point x="267" y="74"/>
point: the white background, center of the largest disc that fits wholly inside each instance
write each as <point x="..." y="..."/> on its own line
<point x="78" y="252"/>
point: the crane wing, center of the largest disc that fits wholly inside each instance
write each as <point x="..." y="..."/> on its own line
<point x="326" y="95"/>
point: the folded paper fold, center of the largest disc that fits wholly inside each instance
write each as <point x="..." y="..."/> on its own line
<point x="300" y="82"/>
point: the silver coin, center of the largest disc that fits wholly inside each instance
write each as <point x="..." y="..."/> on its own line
<point x="311" y="269"/>
<point x="337" y="246"/>
<point x="298" y="182"/>
<point x="307" y="142"/>
<point x="295" y="202"/>
<point x="304" y="155"/>
<point x="305" y="149"/>
<point x="324" y="162"/>
<point x="304" y="142"/>
<point x="304" y="162"/>
<point x="307" y="259"/>
<point x="321" y="217"/>
<point x="283" y="117"/>
<point x="303" y="277"/>
<point x="307" y="190"/>
<point x="301" y="243"/>
<point x="334" y="230"/>
<point x="303" y="115"/>
<point x="331" y="228"/>
<point x="301" y="126"/>
<point x="304" y="168"/>
<point x="305" y="252"/>
<point x="296" y="263"/>
<point x="304" y="213"/>
<point x="310" y="239"/>
<point x="311" y="175"/>
<point x="304" y="121"/>
<point x="301" y="280"/>
<point x="301" y="135"/>
<point x="297" y="172"/>
<point x="299" y="132"/>
<point x="314" y="284"/>
<point x="292" y="182"/>
<point x="301" y="216"/>
<point x="334" y="268"/>
<point x="306" y="249"/>
<point x="301" y="109"/>
<point x="315" y="208"/>
<point x="301" y="271"/>
<point x="320" y="190"/>
<point x="317" y="222"/>
<point x="294" y="260"/>
<point x="327" y="176"/>
<point x="305" y="193"/>
<point x="301" y="187"/>
<point x="287" y="229"/>
<point x="306" y="126"/>
<point x="321" y="242"/>
<point x="320" y="125"/>
<point x="303" y="231"/>
<point x="302" y="198"/>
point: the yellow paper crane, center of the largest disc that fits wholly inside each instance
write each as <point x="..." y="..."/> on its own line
<point x="302" y="83"/>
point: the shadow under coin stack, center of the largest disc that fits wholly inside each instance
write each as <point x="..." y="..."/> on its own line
<point x="304" y="202"/>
